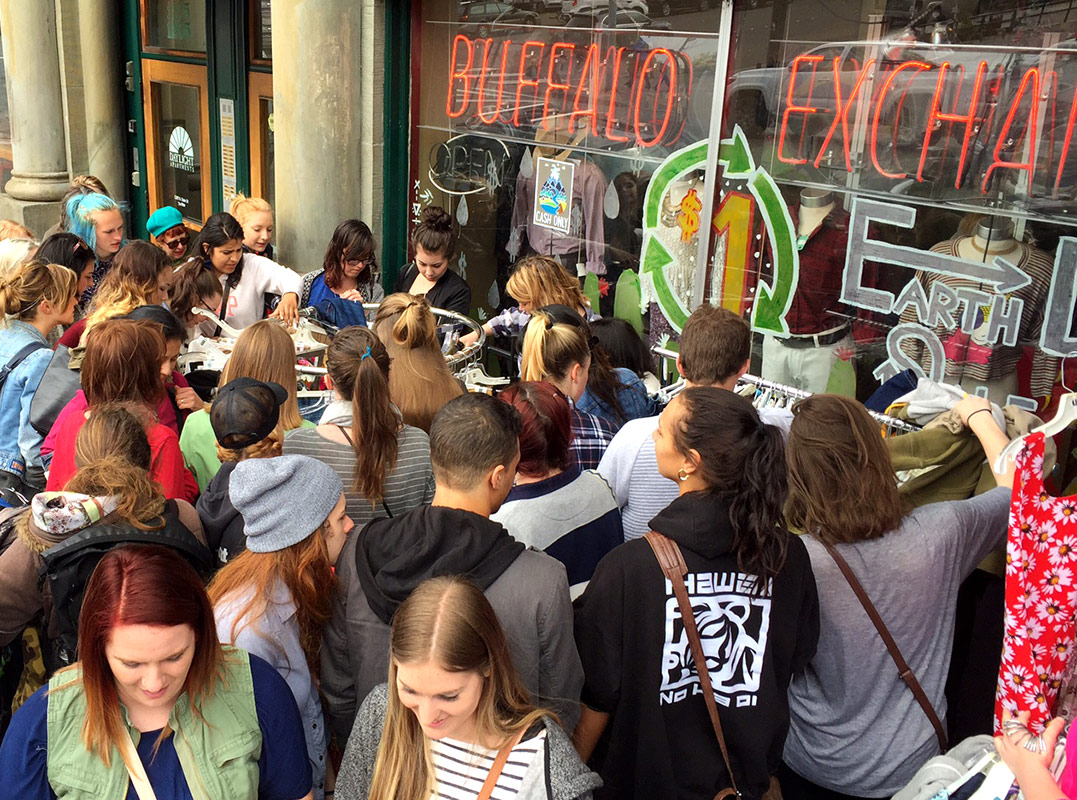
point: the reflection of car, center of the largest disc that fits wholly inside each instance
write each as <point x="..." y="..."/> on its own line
<point x="571" y="7"/>
<point x="666" y="7"/>
<point x="496" y="12"/>
<point x="626" y="20"/>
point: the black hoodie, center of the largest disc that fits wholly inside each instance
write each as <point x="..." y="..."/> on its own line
<point x="639" y="669"/>
<point x="221" y="522"/>
<point x="393" y="556"/>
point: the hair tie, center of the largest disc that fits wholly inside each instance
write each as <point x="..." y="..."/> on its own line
<point x="365" y="355"/>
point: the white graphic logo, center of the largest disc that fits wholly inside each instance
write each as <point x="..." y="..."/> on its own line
<point x="180" y="150"/>
<point x="733" y="621"/>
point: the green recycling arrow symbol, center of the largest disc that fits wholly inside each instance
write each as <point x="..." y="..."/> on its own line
<point x="773" y="300"/>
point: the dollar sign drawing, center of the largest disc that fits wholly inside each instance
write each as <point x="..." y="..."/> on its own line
<point x="688" y="219"/>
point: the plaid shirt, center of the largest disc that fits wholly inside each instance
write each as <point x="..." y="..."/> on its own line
<point x="591" y="436"/>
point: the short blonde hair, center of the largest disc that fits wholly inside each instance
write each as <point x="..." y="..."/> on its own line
<point x="242" y="207"/>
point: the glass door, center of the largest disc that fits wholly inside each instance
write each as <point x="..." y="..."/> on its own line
<point x="261" y="127"/>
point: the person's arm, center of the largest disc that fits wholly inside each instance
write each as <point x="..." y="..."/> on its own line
<point x="30" y="440"/>
<point x="559" y="661"/>
<point x="190" y="519"/>
<point x="975" y="413"/>
<point x="589" y="730"/>
<point x="458" y="298"/>
<point x="337" y="672"/>
<point x="277" y="279"/>
<point x="24" y="751"/>
<point x="1032" y="770"/>
<point x="616" y="464"/>
<point x="168" y="468"/>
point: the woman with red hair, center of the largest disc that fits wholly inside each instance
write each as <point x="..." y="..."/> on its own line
<point x="555" y="506"/>
<point x="155" y="703"/>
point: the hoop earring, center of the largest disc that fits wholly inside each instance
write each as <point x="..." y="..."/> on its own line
<point x="682" y="475"/>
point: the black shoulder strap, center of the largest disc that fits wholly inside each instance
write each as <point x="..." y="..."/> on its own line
<point x="18" y="358"/>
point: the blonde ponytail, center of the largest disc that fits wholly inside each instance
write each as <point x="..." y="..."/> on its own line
<point x="242" y="207"/>
<point x="551" y="348"/>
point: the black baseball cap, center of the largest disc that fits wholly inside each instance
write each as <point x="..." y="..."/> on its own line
<point x="245" y="411"/>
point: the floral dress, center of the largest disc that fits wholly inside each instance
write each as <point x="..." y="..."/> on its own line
<point x="1041" y="601"/>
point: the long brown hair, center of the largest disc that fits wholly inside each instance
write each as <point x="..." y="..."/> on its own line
<point x="140" y="585"/>
<point x="450" y="622"/>
<point x="193" y="284"/>
<point x="842" y="486"/>
<point x="123" y="362"/>
<point x="265" y="352"/>
<point x="304" y="568"/>
<point x="420" y="382"/>
<point x="361" y="362"/>
<point x="131" y="282"/>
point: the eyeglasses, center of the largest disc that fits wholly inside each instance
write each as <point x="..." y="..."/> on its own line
<point x="177" y="242"/>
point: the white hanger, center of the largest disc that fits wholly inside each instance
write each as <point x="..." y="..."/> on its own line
<point x="225" y="327"/>
<point x="1066" y="416"/>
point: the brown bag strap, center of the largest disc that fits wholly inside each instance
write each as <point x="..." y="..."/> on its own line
<point x="497" y="767"/>
<point x="672" y="562"/>
<point x="904" y="670"/>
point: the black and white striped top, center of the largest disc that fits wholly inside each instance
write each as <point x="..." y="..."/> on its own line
<point x="460" y="769"/>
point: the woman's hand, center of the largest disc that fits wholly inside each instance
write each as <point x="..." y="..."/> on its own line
<point x="1030" y="767"/>
<point x="287" y="309"/>
<point x="188" y="399"/>
<point x="354" y="295"/>
<point x="969" y="405"/>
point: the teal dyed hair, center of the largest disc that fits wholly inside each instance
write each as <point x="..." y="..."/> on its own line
<point x="80" y="212"/>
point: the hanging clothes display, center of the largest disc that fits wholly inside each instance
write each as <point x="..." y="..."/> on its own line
<point x="1041" y="604"/>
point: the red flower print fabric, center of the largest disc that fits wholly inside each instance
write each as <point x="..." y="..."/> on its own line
<point x="1041" y="596"/>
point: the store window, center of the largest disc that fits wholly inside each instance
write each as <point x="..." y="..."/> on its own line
<point x="541" y="126"/>
<point x="897" y="193"/>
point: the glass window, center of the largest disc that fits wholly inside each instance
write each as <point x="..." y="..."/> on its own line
<point x="265" y="132"/>
<point x="174" y="25"/>
<point x="261" y="24"/>
<point x="178" y="117"/>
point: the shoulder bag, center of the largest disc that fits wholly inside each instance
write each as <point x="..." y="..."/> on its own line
<point x="58" y="385"/>
<point x="904" y="670"/>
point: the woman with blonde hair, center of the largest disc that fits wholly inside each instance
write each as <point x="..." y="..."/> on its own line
<point x="455" y="714"/>
<point x="274" y="598"/>
<point x="383" y="463"/>
<point x="420" y="382"/>
<point x="265" y="352"/>
<point x="256" y="217"/>
<point x="33" y="301"/>
<point x="140" y="276"/>
<point x="558" y="351"/>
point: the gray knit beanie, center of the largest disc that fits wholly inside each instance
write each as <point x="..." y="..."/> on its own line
<point x="283" y="500"/>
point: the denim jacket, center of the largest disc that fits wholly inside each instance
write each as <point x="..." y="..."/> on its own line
<point x="20" y="444"/>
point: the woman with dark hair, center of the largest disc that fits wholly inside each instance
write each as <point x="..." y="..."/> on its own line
<point x="383" y="463"/>
<point x="843" y="495"/>
<point x="155" y="703"/>
<point x="626" y="349"/>
<point x="554" y="506"/>
<point x="123" y="365"/>
<point x="455" y="715"/>
<point x="194" y="285"/>
<point x="751" y="589"/>
<point x="434" y="244"/>
<point x="348" y="278"/>
<point x="68" y="250"/>
<point x="245" y="278"/>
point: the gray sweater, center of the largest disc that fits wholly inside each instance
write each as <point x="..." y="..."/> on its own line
<point x="560" y="775"/>
<point x="855" y="726"/>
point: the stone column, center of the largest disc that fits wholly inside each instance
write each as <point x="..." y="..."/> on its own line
<point x="321" y="134"/>
<point x="37" y="120"/>
<point x="102" y="79"/>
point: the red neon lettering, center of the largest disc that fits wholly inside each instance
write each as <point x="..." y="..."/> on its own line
<point x="919" y="66"/>
<point x="968" y="119"/>
<point x="614" y="86"/>
<point x="1066" y="141"/>
<point x="1033" y="75"/>
<point x="551" y="85"/>
<point x="792" y="108"/>
<point x="522" y="81"/>
<point x="481" y="87"/>
<point x="455" y="75"/>
<point x="841" y="112"/>
<point x="589" y="87"/>
<point x="669" y="97"/>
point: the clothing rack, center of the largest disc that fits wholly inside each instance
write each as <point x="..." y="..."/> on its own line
<point x="766" y="390"/>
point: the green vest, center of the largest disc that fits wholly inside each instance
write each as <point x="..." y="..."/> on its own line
<point x="219" y="757"/>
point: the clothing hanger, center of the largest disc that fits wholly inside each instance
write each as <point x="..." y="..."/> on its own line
<point x="224" y="326"/>
<point x="1066" y="416"/>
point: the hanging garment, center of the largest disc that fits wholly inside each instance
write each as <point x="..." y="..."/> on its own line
<point x="1041" y="562"/>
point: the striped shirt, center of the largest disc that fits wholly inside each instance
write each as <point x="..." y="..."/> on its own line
<point x="460" y="769"/>
<point x="410" y="482"/>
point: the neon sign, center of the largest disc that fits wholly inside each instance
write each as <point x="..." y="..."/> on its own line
<point x="966" y="124"/>
<point x="620" y="94"/>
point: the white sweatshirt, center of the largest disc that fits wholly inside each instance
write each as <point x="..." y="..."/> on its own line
<point x="260" y="276"/>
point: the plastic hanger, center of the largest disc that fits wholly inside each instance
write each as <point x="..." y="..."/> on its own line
<point x="225" y="327"/>
<point x="1066" y="416"/>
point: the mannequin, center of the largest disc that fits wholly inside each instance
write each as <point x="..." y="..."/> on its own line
<point x="818" y="324"/>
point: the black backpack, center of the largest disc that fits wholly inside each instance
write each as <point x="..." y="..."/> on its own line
<point x="69" y="565"/>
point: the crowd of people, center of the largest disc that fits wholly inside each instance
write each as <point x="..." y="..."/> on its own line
<point x="430" y="592"/>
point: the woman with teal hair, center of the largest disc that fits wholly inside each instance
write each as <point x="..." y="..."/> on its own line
<point x="96" y="218"/>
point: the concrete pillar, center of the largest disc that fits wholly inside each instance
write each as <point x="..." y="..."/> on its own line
<point x="102" y="77"/>
<point x="321" y="133"/>
<point x="33" y="72"/>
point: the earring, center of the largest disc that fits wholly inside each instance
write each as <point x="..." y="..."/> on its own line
<point x="682" y="475"/>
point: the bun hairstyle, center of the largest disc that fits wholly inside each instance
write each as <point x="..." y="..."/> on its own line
<point x="22" y="292"/>
<point x="358" y="363"/>
<point x="435" y="233"/>
<point x="242" y="207"/>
